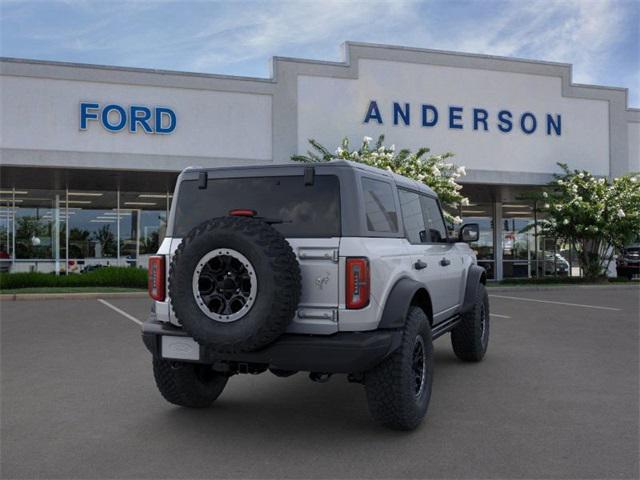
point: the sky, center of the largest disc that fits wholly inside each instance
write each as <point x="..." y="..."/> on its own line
<point x="601" y="38"/>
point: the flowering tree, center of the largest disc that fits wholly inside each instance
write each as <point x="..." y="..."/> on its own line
<point x="433" y="170"/>
<point x="592" y="214"/>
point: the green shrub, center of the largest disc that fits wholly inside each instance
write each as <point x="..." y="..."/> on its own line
<point x="102" y="277"/>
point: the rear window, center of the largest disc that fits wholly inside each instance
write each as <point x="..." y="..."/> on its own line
<point x="380" y="207"/>
<point x="305" y="210"/>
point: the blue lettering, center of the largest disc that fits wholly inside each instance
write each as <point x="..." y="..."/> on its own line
<point x="504" y="117"/>
<point x="373" y="112"/>
<point x="480" y="115"/>
<point x="139" y="115"/>
<point x="523" y="123"/>
<point x="557" y="125"/>
<point x="425" y="115"/>
<point x="399" y="112"/>
<point x="85" y="114"/>
<point x="105" y="118"/>
<point x="162" y="112"/>
<point x="455" y="113"/>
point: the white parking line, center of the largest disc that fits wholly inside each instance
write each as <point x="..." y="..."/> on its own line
<point x="500" y="316"/>
<point x="121" y="312"/>
<point x="556" y="303"/>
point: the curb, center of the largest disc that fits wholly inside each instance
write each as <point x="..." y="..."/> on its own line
<point x="70" y="296"/>
<point x="534" y="288"/>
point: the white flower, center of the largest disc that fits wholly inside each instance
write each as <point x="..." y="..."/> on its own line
<point x="435" y="171"/>
<point x="633" y="179"/>
<point x="581" y="175"/>
<point x="392" y="148"/>
<point x="565" y="221"/>
<point x="339" y="151"/>
<point x="457" y="220"/>
<point x="560" y="182"/>
<point x="461" y="170"/>
<point x="546" y="205"/>
<point x="545" y="194"/>
<point x="621" y="213"/>
<point x="367" y="139"/>
<point x="464" y="202"/>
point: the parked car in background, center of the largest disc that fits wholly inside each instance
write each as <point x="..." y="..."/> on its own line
<point x="628" y="263"/>
<point x="5" y="261"/>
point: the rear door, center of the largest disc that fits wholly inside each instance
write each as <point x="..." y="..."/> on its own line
<point x="433" y="258"/>
<point x="445" y="255"/>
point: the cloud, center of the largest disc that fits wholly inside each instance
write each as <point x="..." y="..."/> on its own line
<point x="599" y="37"/>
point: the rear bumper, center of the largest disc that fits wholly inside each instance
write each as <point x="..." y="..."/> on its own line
<point x="344" y="352"/>
<point x="627" y="268"/>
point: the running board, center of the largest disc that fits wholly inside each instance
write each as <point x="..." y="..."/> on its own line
<point x="444" y="327"/>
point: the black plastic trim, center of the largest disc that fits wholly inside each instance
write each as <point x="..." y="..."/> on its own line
<point x="398" y="302"/>
<point x="475" y="277"/>
<point x="344" y="352"/>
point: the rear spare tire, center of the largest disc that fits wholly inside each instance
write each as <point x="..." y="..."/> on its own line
<point x="234" y="283"/>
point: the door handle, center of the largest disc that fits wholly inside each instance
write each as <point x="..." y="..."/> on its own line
<point x="445" y="261"/>
<point x="419" y="265"/>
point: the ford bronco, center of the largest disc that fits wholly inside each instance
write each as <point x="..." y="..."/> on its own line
<point x="325" y="268"/>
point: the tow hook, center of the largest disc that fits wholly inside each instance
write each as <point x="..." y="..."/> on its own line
<point x="320" y="377"/>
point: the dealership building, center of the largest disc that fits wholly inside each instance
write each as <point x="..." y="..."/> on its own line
<point x="90" y="154"/>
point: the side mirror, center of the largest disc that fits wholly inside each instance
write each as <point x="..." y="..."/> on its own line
<point x="469" y="232"/>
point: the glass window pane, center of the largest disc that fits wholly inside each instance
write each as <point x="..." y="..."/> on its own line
<point x="380" y="208"/>
<point x="6" y="231"/>
<point x="92" y="229"/>
<point x="433" y="219"/>
<point x="412" y="216"/>
<point x="305" y="210"/>
<point x="143" y="224"/>
<point x="518" y="239"/>
<point x="482" y="214"/>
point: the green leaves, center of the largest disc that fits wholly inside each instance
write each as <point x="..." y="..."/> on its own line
<point x="433" y="170"/>
<point x="594" y="214"/>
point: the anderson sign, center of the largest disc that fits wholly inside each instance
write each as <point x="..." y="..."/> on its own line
<point x="460" y="118"/>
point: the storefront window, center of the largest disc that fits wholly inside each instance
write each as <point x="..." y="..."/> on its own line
<point x="102" y="231"/>
<point x="142" y="225"/>
<point x="482" y="214"/>
<point x="518" y="240"/>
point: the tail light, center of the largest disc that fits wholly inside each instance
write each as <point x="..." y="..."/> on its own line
<point x="156" y="277"/>
<point x="242" y="212"/>
<point x="357" y="282"/>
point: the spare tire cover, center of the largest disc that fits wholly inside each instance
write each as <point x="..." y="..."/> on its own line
<point x="234" y="284"/>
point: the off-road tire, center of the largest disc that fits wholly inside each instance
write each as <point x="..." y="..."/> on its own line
<point x="391" y="385"/>
<point x="188" y="384"/>
<point x="469" y="339"/>
<point x="278" y="279"/>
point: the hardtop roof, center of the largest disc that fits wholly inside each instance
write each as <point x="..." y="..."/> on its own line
<point x="399" y="180"/>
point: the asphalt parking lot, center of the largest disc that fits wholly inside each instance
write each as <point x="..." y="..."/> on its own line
<point x="556" y="397"/>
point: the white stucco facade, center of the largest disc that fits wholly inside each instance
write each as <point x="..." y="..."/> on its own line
<point x="222" y="120"/>
<point x="89" y="154"/>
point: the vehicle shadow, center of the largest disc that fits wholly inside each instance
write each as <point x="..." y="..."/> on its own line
<point x="294" y="407"/>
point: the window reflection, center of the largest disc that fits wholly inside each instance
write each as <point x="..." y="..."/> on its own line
<point x="101" y="230"/>
<point x="518" y="239"/>
<point x="483" y="215"/>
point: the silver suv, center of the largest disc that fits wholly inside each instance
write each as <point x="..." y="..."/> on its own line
<point x="326" y="268"/>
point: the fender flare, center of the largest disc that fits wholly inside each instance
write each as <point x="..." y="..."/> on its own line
<point x="398" y="302"/>
<point x="476" y="276"/>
